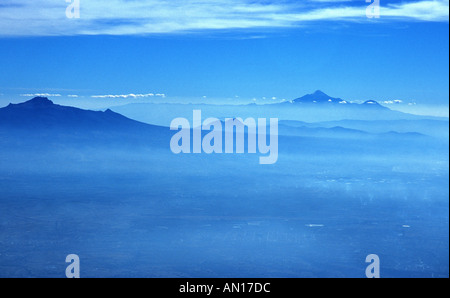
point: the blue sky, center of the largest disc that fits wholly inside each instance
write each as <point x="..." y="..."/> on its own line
<point x="234" y="51"/>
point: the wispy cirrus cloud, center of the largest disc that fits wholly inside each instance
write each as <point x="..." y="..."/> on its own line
<point x="121" y="17"/>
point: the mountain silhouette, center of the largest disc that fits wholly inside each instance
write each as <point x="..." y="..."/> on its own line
<point x="321" y="98"/>
<point x="40" y="122"/>
<point x="317" y="97"/>
<point x="42" y="113"/>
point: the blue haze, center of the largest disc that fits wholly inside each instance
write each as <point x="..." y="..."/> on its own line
<point x="109" y="189"/>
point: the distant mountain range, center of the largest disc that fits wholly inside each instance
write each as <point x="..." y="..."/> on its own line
<point x="38" y="126"/>
<point x="315" y="107"/>
<point x="42" y="115"/>
<point x="320" y="97"/>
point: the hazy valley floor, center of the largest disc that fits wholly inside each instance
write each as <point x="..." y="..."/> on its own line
<point x="147" y="214"/>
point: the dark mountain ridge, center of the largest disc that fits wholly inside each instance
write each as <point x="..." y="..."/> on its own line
<point x="42" y="113"/>
<point x="41" y="123"/>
